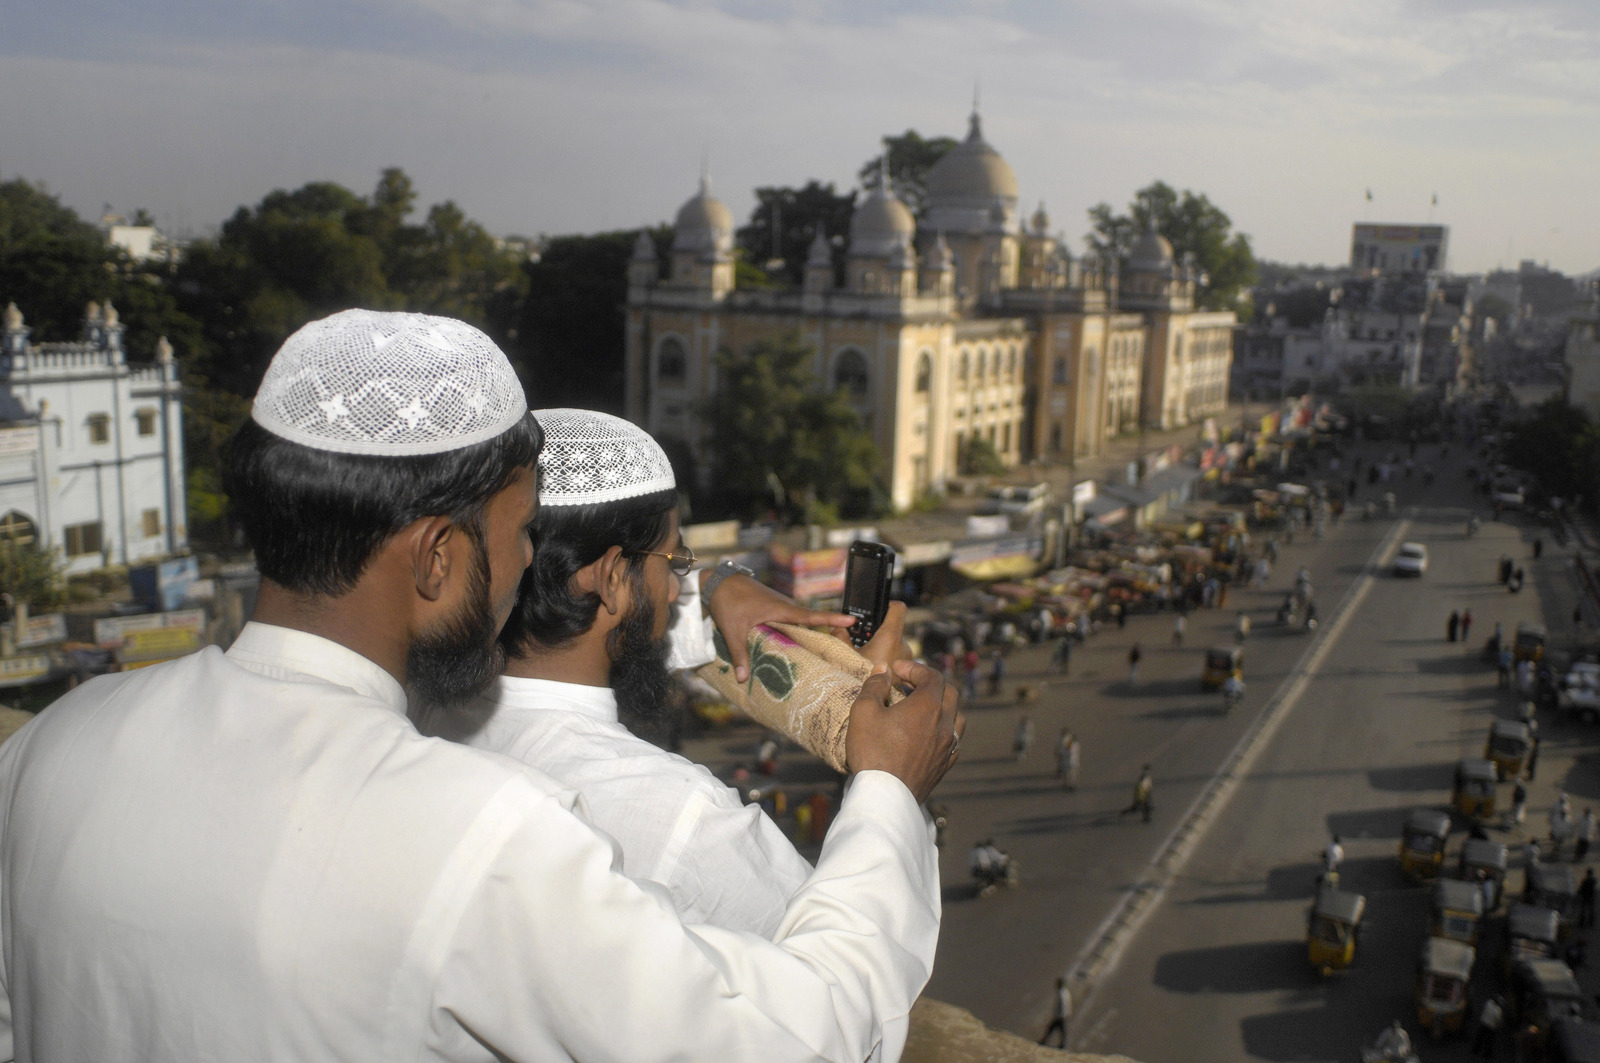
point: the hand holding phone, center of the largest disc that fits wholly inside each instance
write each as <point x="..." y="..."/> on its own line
<point x="867" y="575"/>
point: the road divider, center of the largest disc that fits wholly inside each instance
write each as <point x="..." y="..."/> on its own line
<point x="1105" y="946"/>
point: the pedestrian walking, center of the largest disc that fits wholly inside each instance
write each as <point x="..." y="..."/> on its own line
<point x="1538" y="548"/>
<point x="1063" y="1015"/>
<point x="1263" y="572"/>
<point x="1504" y="664"/>
<point x="1531" y="854"/>
<point x="1452" y="626"/>
<point x="1332" y="856"/>
<point x="1067" y="759"/>
<point x="1143" y="791"/>
<point x="1490" y="1019"/>
<point x="1466" y="624"/>
<point x="1241" y="627"/>
<point x="1063" y="656"/>
<point x="1133" y="663"/>
<point x="1180" y="624"/>
<point x="1272" y="551"/>
<point x="1560" y="829"/>
<point x="1586" y="898"/>
<point x="1533" y="759"/>
<point x="969" y="683"/>
<point x="1121" y="613"/>
<point x="1022" y="739"/>
<point x="1584" y="836"/>
<point x="1519" y="803"/>
<point x="997" y="672"/>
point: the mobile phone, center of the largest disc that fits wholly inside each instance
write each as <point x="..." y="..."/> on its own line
<point x="867" y="575"/>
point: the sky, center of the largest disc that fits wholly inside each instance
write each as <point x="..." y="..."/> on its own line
<point x="563" y="116"/>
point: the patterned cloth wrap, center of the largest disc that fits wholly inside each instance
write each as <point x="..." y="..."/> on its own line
<point x="802" y="685"/>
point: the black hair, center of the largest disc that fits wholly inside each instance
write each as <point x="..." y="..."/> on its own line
<point x="549" y="613"/>
<point x="316" y="517"/>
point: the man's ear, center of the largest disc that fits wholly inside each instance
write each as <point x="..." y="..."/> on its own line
<point x="605" y="577"/>
<point x="432" y="541"/>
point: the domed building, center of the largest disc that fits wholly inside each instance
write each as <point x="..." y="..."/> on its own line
<point x="968" y="323"/>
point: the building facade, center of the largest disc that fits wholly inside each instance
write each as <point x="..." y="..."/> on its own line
<point x="975" y="324"/>
<point x="91" y="448"/>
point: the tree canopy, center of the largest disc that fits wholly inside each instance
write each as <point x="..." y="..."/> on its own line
<point x="781" y="442"/>
<point x="1192" y="224"/>
<point x="796" y="216"/>
<point x="911" y="156"/>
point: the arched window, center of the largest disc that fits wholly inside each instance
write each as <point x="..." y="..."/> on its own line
<point x="924" y="373"/>
<point x="1011" y="364"/>
<point x="983" y="363"/>
<point x="1055" y="439"/>
<point x="966" y="367"/>
<point x="17" y="530"/>
<point x="850" y="373"/>
<point x="1058" y="374"/>
<point x="672" y="362"/>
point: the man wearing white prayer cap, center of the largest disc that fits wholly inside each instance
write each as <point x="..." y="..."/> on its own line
<point x="588" y="664"/>
<point x="253" y="855"/>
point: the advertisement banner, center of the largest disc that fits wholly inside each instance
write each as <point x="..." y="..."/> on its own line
<point x="809" y="573"/>
<point x="42" y="630"/>
<point x="23" y="669"/>
<point x="111" y="632"/>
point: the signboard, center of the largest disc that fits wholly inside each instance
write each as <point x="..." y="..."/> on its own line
<point x="111" y="632"/>
<point x="158" y="644"/>
<point x="965" y="553"/>
<point x="846" y="536"/>
<point x="18" y="441"/>
<point x="42" y="630"/>
<point x="999" y="524"/>
<point x="930" y="553"/>
<point x="23" y="669"/>
<point x="1083" y="492"/>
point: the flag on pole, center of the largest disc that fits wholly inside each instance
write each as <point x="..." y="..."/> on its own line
<point x="1369" y="195"/>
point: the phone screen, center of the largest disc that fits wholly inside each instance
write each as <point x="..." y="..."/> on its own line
<point x="863" y="578"/>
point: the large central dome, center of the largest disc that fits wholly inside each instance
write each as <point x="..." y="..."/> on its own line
<point x="971" y="175"/>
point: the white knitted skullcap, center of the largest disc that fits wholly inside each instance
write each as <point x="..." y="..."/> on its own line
<point x="591" y="457"/>
<point x="388" y="384"/>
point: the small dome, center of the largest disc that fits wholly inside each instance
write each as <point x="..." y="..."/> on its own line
<point x="971" y="174"/>
<point x="13" y="317"/>
<point x="1041" y="220"/>
<point x="881" y="223"/>
<point x="1151" y="253"/>
<point x="644" y="248"/>
<point x="704" y="224"/>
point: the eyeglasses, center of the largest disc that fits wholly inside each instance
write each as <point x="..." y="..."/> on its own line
<point x="681" y="563"/>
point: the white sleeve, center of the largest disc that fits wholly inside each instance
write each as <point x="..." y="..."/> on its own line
<point x="553" y="955"/>
<point x="689" y="642"/>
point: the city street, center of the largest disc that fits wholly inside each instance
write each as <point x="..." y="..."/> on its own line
<point x="1377" y="729"/>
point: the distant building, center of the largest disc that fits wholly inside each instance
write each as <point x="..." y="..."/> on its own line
<point x="1398" y="248"/>
<point x="1582" y="356"/>
<point x="91" y="448"/>
<point x="974" y="325"/>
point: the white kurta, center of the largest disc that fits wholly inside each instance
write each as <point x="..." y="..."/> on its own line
<point x="723" y="862"/>
<point x="254" y="856"/>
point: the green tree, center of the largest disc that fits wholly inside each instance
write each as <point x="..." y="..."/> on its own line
<point x="1560" y="445"/>
<point x="780" y="441"/>
<point x="1193" y="225"/>
<point x="979" y="458"/>
<point x="31" y="575"/>
<point x="786" y="220"/>
<point x="911" y="156"/>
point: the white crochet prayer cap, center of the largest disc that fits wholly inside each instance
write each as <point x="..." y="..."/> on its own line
<point x="591" y="457"/>
<point x="388" y="384"/>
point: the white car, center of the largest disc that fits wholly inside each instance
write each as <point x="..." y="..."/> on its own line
<point x="1411" y="560"/>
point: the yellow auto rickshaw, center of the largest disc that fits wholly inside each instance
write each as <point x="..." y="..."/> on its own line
<point x="1542" y="991"/>
<point x="1221" y="664"/>
<point x="1508" y="745"/>
<point x="1528" y="643"/>
<point x="1483" y="861"/>
<point x="1531" y="933"/>
<point x="1332" y="928"/>
<point x="1422" y="842"/>
<point x="1443" y="972"/>
<point x="1457" y="910"/>
<point x="1474" y="792"/>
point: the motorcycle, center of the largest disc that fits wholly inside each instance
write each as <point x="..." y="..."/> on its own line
<point x="988" y="880"/>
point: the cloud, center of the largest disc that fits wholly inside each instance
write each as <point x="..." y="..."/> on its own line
<point x="561" y="115"/>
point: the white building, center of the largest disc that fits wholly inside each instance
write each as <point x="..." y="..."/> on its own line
<point x="91" y="448"/>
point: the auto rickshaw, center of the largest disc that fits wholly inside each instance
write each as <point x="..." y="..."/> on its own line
<point x="1457" y="910"/>
<point x="1474" y="792"/>
<point x="1528" y="644"/>
<point x="1443" y="972"/>
<point x="1422" y="842"/>
<point x="1508" y="745"/>
<point x="1554" y="886"/>
<point x="1542" y="991"/>
<point x="1483" y="860"/>
<point x="1332" y="927"/>
<point x="1221" y="663"/>
<point x="1574" y="1041"/>
<point x="1532" y="933"/>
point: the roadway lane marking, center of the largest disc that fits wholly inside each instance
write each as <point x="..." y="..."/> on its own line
<point x="1105" y="947"/>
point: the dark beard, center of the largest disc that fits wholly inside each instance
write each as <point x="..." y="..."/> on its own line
<point x="639" y="675"/>
<point x="460" y="657"/>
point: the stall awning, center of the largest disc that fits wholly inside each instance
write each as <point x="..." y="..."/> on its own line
<point x="1101" y="507"/>
<point x="993" y="568"/>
